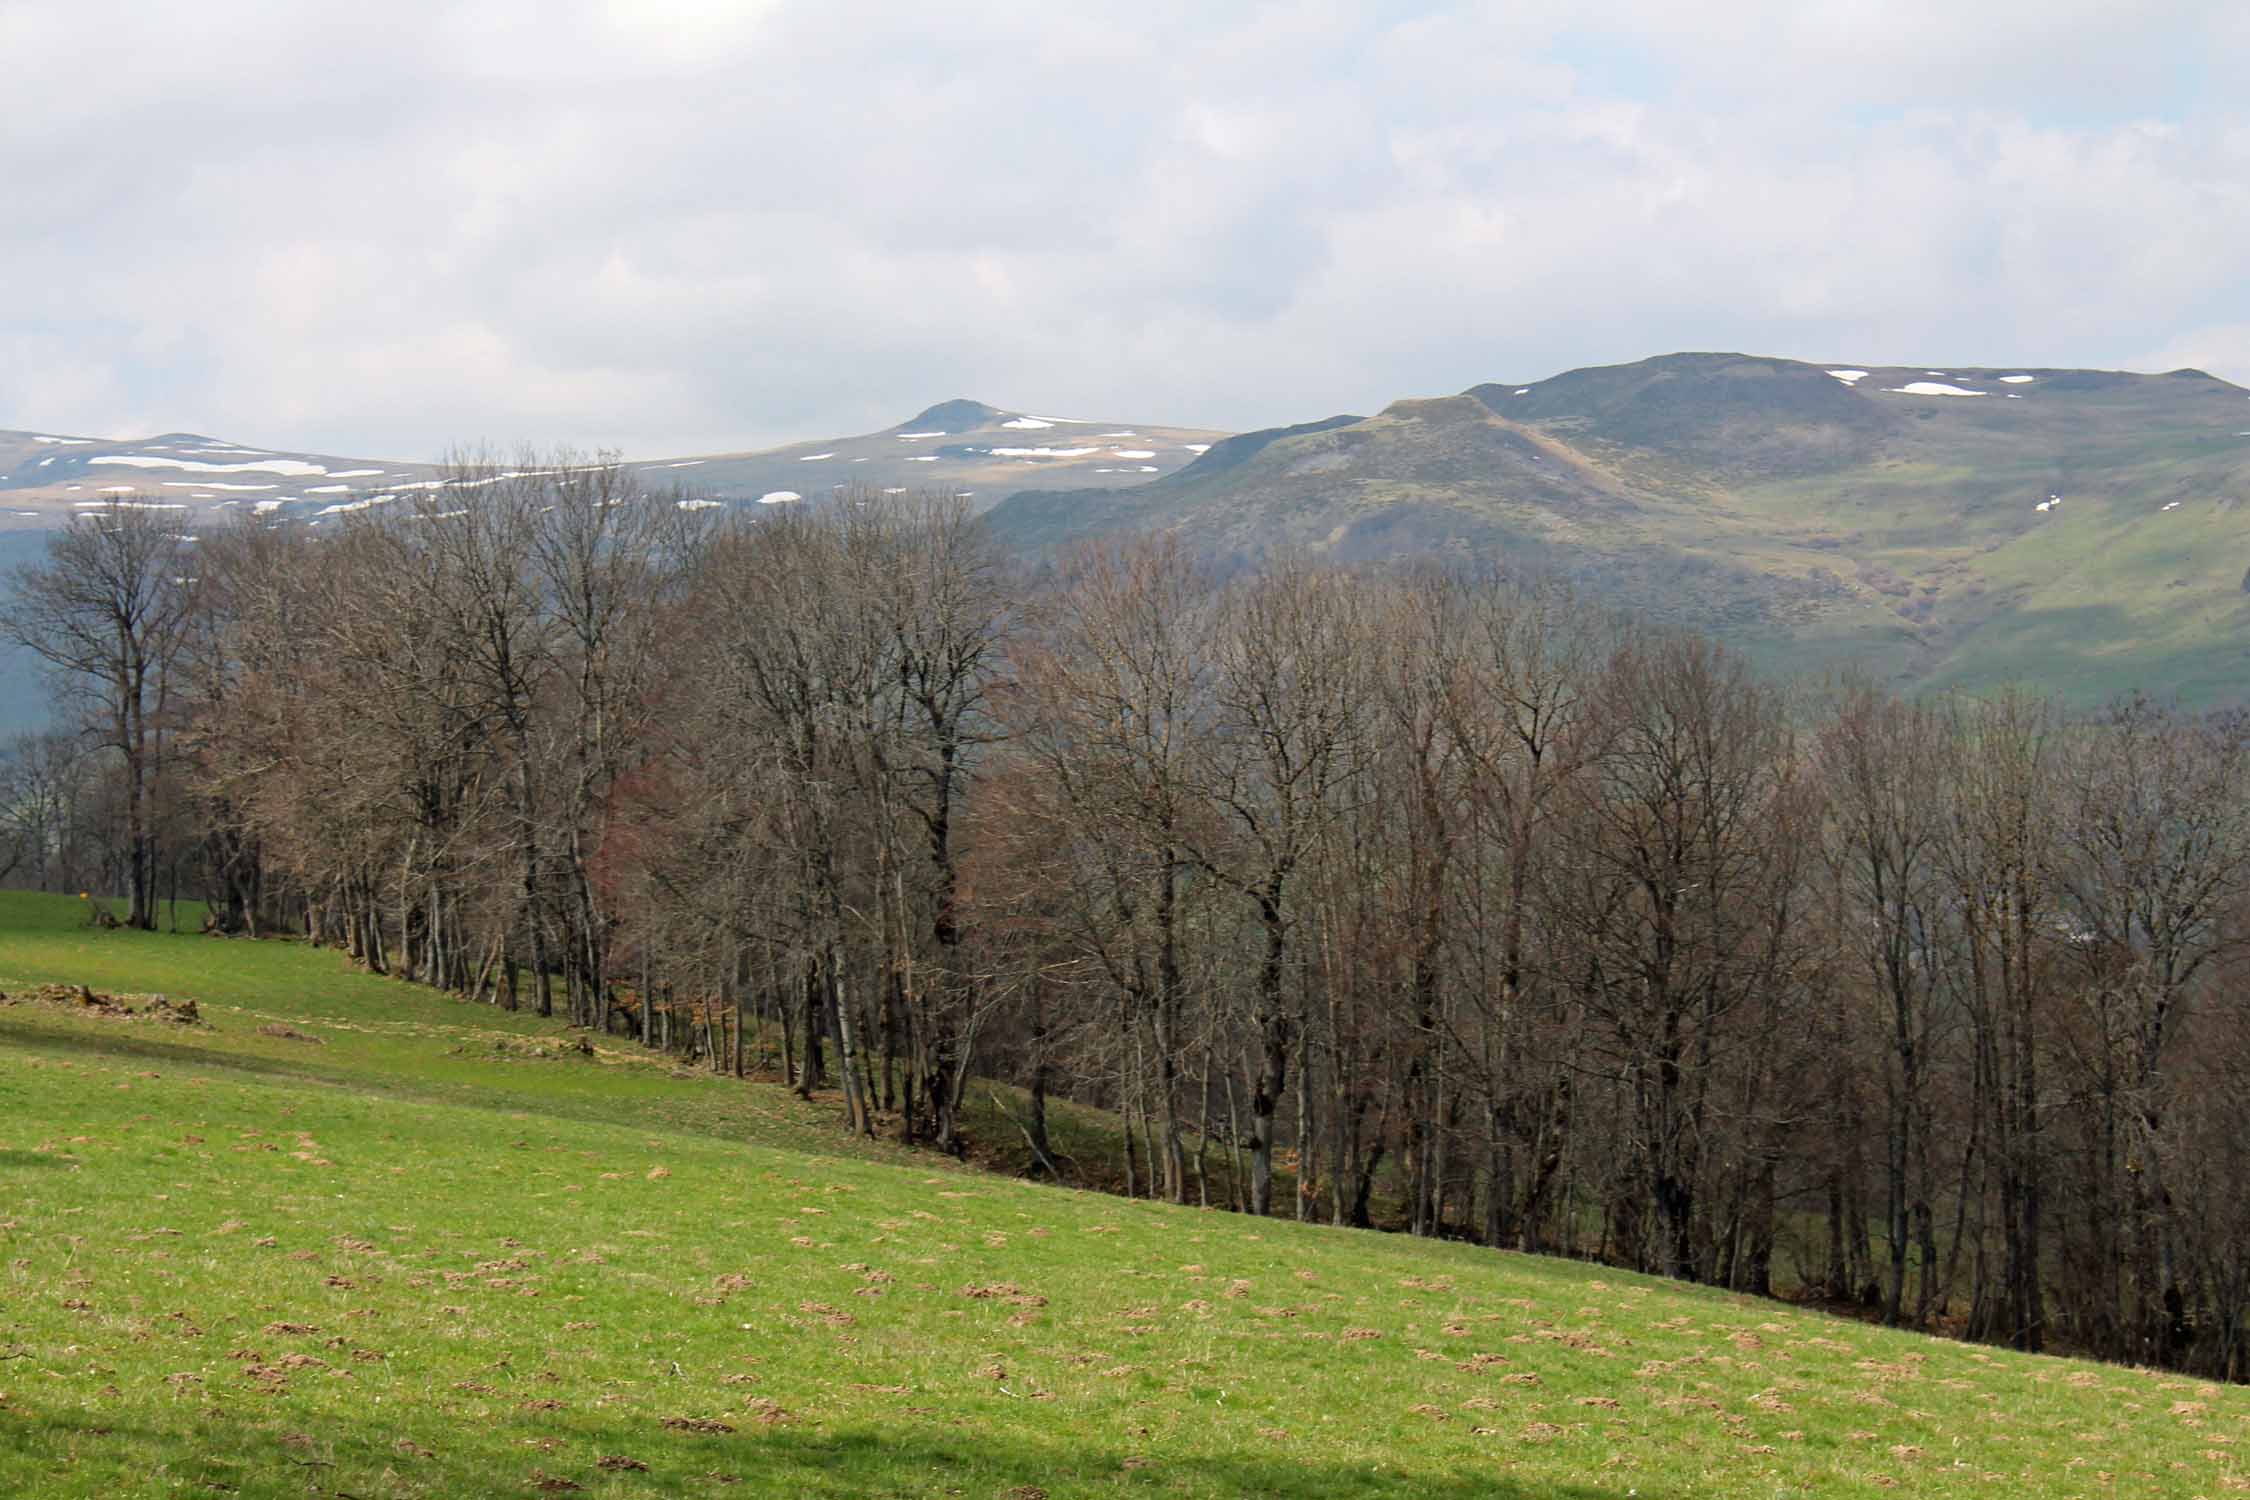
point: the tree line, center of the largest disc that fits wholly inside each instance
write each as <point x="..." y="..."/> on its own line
<point x="1423" y="897"/>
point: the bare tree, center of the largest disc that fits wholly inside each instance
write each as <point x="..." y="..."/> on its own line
<point x="1109" y="705"/>
<point x="1520" y="708"/>
<point x="1676" y="908"/>
<point x="1883" y="761"/>
<point x="1285" y="724"/>
<point x="606" y="558"/>
<point x="44" y="784"/>
<point x="2000" y="856"/>
<point x="2154" y="868"/>
<point x="107" y="612"/>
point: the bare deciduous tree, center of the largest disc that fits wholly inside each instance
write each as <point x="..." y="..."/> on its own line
<point x="107" y="612"/>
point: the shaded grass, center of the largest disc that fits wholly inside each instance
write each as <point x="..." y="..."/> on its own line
<point x="375" y="1266"/>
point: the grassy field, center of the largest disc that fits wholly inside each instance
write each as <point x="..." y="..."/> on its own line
<point x="348" y="1238"/>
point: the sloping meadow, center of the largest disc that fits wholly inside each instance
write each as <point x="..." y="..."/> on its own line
<point x="340" y="1237"/>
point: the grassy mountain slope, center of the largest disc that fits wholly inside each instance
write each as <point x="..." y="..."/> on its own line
<point x="350" y="1238"/>
<point x="1812" y="518"/>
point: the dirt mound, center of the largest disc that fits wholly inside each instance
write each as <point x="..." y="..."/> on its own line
<point x="112" y="1007"/>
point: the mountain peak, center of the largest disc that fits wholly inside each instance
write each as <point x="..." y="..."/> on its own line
<point x="956" y="415"/>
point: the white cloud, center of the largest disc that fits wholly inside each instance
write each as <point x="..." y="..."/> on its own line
<point x="701" y="224"/>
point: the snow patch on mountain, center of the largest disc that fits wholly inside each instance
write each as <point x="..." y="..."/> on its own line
<point x="290" y="467"/>
<point x="1929" y="388"/>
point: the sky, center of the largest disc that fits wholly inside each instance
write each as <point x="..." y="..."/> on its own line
<point x="665" y="226"/>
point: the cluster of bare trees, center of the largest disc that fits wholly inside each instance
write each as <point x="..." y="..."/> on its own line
<point x="1419" y="898"/>
<point x="61" y="823"/>
<point x="105" y="615"/>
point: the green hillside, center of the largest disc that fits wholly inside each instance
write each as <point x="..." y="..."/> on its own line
<point x="1890" y="519"/>
<point x="344" y="1237"/>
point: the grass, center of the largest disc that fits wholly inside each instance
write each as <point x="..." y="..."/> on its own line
<point x="433" y="1253"/>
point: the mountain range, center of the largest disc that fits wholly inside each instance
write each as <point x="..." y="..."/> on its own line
<point x="2079" y="530"/>
<point x="978" y="450"/>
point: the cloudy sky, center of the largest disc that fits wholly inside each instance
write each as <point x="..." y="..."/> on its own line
<point x="677" y="225"/>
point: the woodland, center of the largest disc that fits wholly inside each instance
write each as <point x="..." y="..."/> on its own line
<point x="1421" y="897"/>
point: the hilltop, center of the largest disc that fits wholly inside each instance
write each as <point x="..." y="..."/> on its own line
<point x="2079" y="529"/>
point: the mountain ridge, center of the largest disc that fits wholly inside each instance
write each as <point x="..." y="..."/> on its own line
<point x="1942" y="527"/>
<point x="966" y="445"/>
<point x="1953" y="527"/>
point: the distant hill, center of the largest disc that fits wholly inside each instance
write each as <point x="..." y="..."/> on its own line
<point x="968" y="446"/>
<point x="2082" y="530"/>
